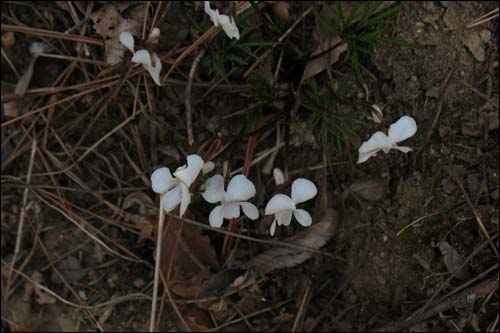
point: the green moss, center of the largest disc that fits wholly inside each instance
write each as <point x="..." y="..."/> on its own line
<point x="418" y="239"/>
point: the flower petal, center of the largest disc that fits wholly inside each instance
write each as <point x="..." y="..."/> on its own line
<point x="172" y="198"/>
<point x="127" y="39"/>
<point x="284" y="217"/>
<point x="214" y="191"/>
<point x="279" y="177"/>
<point x="278" y="203"/>
<point x="378" y="141"/>
<point x="216" y="217"/>
<point x="229" y="26"/>
<point x="303" y="190"/>
<point x="231" y="210"/>
<point x="185" y="199"/>
<point x="208" y="167"/>
<point x="154" y="70"/>
<point x="142" y="57"/>
<point x="240" y="189"/>
<point x="402" y="129"/>
<point x="303" y="217"/>
<point x="272" y="230"/>
<point x="214" y="14"/>
<point x="249" y="210"/>
<point x="188" y="174"/>
<point x="402" y="148"/>
<point x="162" y="180"/>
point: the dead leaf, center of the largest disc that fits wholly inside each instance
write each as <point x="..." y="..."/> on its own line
<point x="41" y="296"/>
<point x="199" y="319"/>
<point x="281" y="9"/>
<point x="142" y="200"/>
<point x="369" y="189"/>
<point x="193" y="255"/>
<point x="280" y="257"/>
<point x="71" y="270"/>
<point x="114" y="50"/>
<point x="453" y="260"/>
<point x="106" y="20"/>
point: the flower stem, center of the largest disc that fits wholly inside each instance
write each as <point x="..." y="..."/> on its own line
<point x="157" y="268"/>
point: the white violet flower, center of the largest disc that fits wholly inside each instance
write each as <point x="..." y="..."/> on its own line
<point x="238" y="191"/>
<point x="176" y="190"/>
<point x="225" y="22"/>
<point x="401" y="130"/>
<point x="151" y="62"/>
<point x="282" y="206"/>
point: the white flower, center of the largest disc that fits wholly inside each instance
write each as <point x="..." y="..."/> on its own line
<point x="225" y="22"/>
<point x="151" y="62"/>
<point x="279" y="177"/>
<point x="401" y="130"/>
<point x="176" y="190"/>
<point x="282" y="206"/>
<point x="238" y="191"/>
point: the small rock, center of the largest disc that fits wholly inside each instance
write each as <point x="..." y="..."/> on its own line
<point x="430" y="6"/>
<point x="451" y="18"/>
<point x="473" y="42"/>
<point x="414" y="78"/>
<point x="432" y="20"/>
<point x="445" y="4"/>
<point x="139" y="283"/>
<point x="433" y="92"/>
<point x="485" y="35"/>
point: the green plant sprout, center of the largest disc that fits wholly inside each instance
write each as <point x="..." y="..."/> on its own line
<point x="362" y="28"/>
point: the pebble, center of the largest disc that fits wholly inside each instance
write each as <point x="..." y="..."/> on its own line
<point x="485" y="35"/>
<point x="472" y="41"/>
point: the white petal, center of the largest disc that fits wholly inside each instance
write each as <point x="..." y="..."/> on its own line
<point x="272" y="230"/>
<point x="214" y="14"/>
<point x="216" y="217"/>
<point x="142" y="57"/>
<point x="214" y="191"/>
<point x="402" y="148"/>
<point x="188" y="174"/>
<point x="231" y="210"/>
<point x="208" y="167"/>
<point x="240" y="189"/>
<point x="127" y="39"/>
<point x="38" y="47"/>
<point x="162" y="180"/>
<point x="229" y="26"/>
<point x="404" y="128"/>
<point x="302" y="217"/>
<point x="250" y="210"/>
<point x="284" y="217"/>
<point x="185" y="199"/>
<point x="279" y="177"/>
<point x="155" y="70"/>
<point x="172" y="198"/>
<point x="378" y="141"/>
<point x="303" y="190"/>
<point x="278" y="203"/>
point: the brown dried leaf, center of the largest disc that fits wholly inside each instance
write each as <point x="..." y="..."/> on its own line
<point x="40" y="295"/>
<point x="191" y="255"/>
<point x="281" y="256"/>
<point x="453" y="260"/>
<point x="114" y="50"/>
<point x="281" y="9"/>
<point x="369" y="189"/>
<point x="105" y="20"/>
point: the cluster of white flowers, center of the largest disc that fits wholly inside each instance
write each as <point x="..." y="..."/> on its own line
<point x="175" y="191"/>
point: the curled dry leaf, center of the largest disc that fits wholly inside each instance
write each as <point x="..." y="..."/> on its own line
<point x="41" y="296"/>
<point x="146" y="219"/>
<point x="194" y="254"/>
<point x="281" y="256"/>
<point x="453" y="260"/>
<point x="281" y="9"/>
<point x="369" y="189"/>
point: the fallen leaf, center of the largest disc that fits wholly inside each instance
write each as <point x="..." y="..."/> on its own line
<point x="453" y="260"/>
<point x="114" y="50"/>
<point x="105" y="20"/>
<point x="369" y="189"/>
<point x="281" y="256"/>
<point x="71" y="269"/>
<point x="193" y="254"/>
<point x="41" y="296"/>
